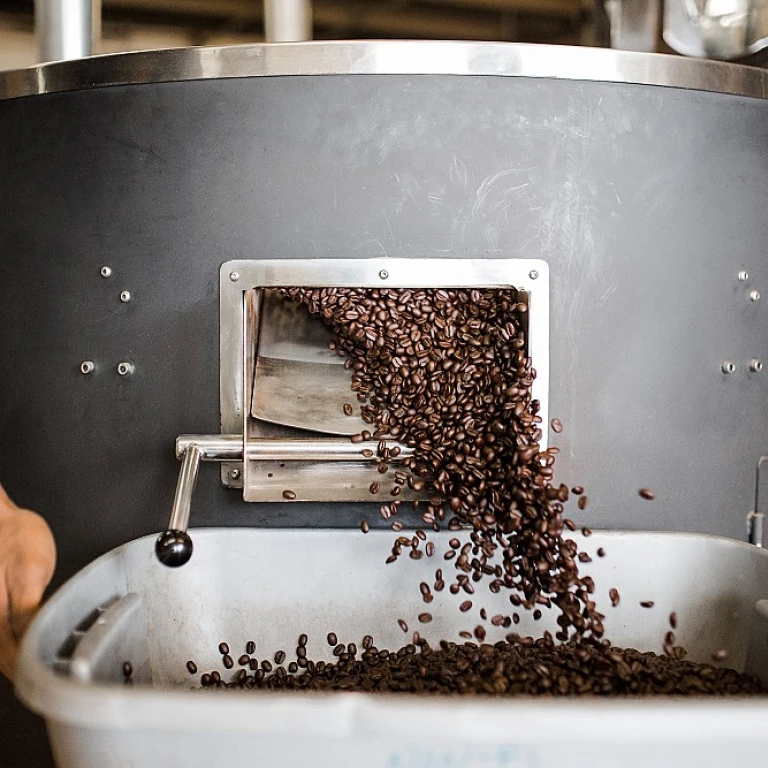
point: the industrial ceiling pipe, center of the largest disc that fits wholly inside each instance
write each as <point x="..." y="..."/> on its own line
<point x="64" y="28"/>
<point x="287" y="21"/>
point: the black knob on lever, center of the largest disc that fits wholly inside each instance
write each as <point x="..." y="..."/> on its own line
<point x="173" y="548"/>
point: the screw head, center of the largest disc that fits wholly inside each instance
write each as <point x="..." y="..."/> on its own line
<point x="533" y="274"/>
<point x="755" y="365"/>
<point x="125" y="296"/>
<point x="124" y="368"/>
<point x="743" y="276"/>
<point x="106" y="271"/>
<point x="754" y="295"/>
<point x="383" y="274"/>
<point x="234" y="474"/>
<point x="86" y="367"/>
<point x="728" y="367"/>
<point x="234" y="276"/>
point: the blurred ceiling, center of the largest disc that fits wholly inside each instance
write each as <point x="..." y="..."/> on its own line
<point x="552" y="21"/>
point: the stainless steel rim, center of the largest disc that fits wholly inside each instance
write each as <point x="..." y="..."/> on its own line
<point x="386" y="58"/>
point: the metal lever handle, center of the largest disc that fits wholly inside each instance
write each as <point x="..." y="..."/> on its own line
<point x="174" y="547"/>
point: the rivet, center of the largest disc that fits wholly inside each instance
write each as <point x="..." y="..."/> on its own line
<point x="87" y="366"/>
<point x="533" y="274"/>
<point x="743" y="277"/>
<point x="383" y="274"/>
<point x="755" y="365"/>
<point x="124" y="368"/>
<point x="234" y="276"/>
<point x="234" y="474"/>
<point x="728" y="367"/>
<point x="125" y="296"/>
<point x="754" y="295"/>
<point x="106" y="271"/>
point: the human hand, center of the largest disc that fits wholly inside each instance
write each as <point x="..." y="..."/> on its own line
<point x="27" y="562"/>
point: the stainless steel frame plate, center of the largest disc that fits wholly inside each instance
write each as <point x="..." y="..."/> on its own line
<point x="386" y="58"/>
<point x="265" y="481"/>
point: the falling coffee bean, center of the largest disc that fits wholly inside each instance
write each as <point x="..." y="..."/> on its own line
<point x="288" y="494"/>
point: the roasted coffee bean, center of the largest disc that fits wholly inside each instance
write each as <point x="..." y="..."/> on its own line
<point x="223" y="649"/>
<point x="347" y="409"/>
<point x="364" y="527"/>
<point x="205" y="680"/>
<point x="402" y="625"/>
<point x="614" y="595"/>
<point x="480" y="633"/>
<point x="720" y="655"/>
<point x="383" y="468"/>
<point x="446" y="371"/>
<point x="250" y="647"/>
<point x="557" y="425"/>
<point x="357" y="438"/>
<point x="127" y="669"/>
<point x="279" y="657"/>
<point x="647" y="493"/>
<point x="374" y="488"/>
<point x="586" y="532"/>
<point x="367" y="452"/>
<point x="582" y="502"/>
<point x="465" y="606"/>
<point x="673" y="620"/>
<point x="191" y="667"/>
<point x="647" y="603"/>
<point x="425" y="618"/>
<point x="293" y="667"/>
<point x="288" y="494"/>
<point x="577" y="490"/>
<point x="244" y="660"/>
<point x="332" y="639"/>
<point x="367" y="642"/>
<point x="228" y="662"/>
<point x="600" y="552"/>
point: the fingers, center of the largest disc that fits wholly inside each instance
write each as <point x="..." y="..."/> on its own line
<point x="26" y="584"/>
<point x="9" y="651"/>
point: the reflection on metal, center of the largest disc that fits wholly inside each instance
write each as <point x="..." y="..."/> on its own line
<point x="633" y="24"/>
<point x="63" y="29"/>
<point x="718" y="29"/>
<point x="287" y="21"/>
<point x="387" y="57"/>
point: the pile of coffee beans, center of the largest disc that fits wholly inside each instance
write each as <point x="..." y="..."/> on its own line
<point x="445" y="371"/>
<point x="515" y="667"/>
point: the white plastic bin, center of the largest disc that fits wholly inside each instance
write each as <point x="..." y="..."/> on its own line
<point x="270" y="586"/>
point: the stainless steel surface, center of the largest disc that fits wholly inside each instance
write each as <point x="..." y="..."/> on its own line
<point x="718" y="29"/>
<point x="239" y="349"/>
<point x="383" y="58"/>
<point x="63" y="29"/>
<point x="634" y="24"/>
<point x="298" y="381"/>
<point x="287" y="21"/>
<point x="230" y="447"/>
<point x="185" y="487"/>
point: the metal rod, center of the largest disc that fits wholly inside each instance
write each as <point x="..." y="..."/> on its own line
<point x="63" y="29"/>
<point x="287" y="21"/>
<point x="230" y="448"/>
<point x="185" y="487"/>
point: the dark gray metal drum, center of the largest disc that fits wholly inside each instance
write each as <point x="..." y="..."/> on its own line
<point x="127" y="181"/>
